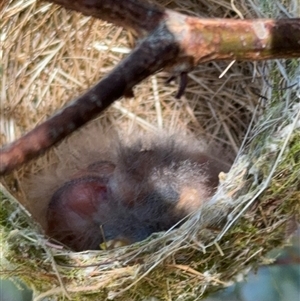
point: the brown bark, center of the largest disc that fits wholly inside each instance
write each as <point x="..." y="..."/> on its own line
<point x="220" y="39"/>
<point x="174" y="40"/>
<point x="153" y="54"/>
<point x="140" y="16"/>
<point x="202" y="39"/>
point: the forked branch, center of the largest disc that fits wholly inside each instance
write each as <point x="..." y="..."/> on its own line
<point x="173" y="40"/>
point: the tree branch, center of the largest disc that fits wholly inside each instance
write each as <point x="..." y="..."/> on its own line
<point x="140" y="16"/>
<point x="221" y="39"/>
<point x="156" y="52"/>
<point x="174" y="40"/>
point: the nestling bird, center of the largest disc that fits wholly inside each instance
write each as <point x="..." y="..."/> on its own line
<point x="124" y="196"/>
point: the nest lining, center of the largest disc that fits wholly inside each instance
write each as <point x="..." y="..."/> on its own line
<point x="195" y="259"/>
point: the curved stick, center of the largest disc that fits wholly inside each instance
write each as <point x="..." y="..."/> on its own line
<point x="140" y="16"/>
<point x="152" y="55"/>
<point x="173" y="40"/>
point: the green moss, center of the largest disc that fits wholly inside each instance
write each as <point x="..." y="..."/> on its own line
<point x="184" y="271"/>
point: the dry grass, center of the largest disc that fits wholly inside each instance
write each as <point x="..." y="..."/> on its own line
<point x="49" y="56"/>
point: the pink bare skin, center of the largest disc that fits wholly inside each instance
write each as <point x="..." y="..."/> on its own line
<point x="142" y="192"/>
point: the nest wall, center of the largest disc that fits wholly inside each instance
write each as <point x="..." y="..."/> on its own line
<point x="51" y="55"/>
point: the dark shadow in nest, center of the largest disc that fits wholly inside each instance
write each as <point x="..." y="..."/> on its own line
<point x="101" y="191"/>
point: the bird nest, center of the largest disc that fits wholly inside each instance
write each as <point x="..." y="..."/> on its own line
<point x="50" y="56"/>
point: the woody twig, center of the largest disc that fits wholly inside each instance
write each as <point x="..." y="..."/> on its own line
<point x="169" y="40"/>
